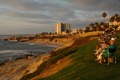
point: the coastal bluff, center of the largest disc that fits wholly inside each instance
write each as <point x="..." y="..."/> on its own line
<point x="15" y="70"/>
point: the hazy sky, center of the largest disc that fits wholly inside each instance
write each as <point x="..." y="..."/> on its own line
<point x="36" y="16"/>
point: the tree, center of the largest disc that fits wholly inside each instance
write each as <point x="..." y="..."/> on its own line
<point x="92" y="26"/>
<point x="102" y="27"/>
<point x="112" y="18"/>
<point x="50" y="33"/>
<point x="67" y="31"/>
<point x="87" y="29"/>
<point x="117" y="18"/>
<point x="116" y="15"/>
<point x="104" y="14"/>
<point x="106" y="25"/>
<point x="97" y="26"/>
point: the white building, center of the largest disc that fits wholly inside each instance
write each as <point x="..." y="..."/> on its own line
<point x="58" y="28"/>
<point x="62" y="28"/>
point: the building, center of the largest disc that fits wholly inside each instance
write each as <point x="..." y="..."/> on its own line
<point x="63" y="28"/>
<point x="75" y="31"/>
<point x="114" y="23"/>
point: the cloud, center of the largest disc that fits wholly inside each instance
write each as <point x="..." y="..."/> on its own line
<point x="46" y="13"/>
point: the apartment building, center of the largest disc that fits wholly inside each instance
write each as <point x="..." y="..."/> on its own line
<point x="63" y="28"/>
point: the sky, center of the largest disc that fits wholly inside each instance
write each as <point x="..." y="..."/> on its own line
<point x="36" y="16"/>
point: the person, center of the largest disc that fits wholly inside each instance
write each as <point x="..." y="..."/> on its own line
<point x="111" y="49"/>
<point x="112" y="40"/>
<point x="29" y="58"/>
<point x="100" y="48"/>
<point x="10" y="59"/>
<point x="26" y="56"/>
<point x="104" y="47"/>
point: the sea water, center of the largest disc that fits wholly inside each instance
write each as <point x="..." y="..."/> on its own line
<point x="14" y="49"/>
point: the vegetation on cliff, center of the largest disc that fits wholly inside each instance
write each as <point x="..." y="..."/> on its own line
<point x="83" y="66"/>
<point x="57" y="55"/>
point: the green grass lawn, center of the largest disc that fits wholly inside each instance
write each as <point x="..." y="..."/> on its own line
<point x="84" y="67"/>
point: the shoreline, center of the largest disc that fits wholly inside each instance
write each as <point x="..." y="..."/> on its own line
<point x="14" y="70"/>
<point x="18" y="68"/>
<point x="54" y="46"/>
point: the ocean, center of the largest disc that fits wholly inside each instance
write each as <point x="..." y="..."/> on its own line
<point x="14" y="49"/>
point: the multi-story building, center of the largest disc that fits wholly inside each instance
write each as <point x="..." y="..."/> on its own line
<point x="58" y="28"/>
<point x="63" y="28"/>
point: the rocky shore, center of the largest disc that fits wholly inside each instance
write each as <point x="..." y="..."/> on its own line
<point x="14" y="70"/>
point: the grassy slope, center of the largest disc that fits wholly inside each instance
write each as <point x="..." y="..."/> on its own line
<point x="85" y="68"/>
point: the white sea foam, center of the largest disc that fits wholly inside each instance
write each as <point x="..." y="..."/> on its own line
<point x="17" y="49"/>
<point x="12" y="51"/>
<point x="31" y="44"/>
<point x="11" y="54"/>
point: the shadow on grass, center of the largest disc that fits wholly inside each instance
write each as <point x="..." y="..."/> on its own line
<point x="110" y="77"/>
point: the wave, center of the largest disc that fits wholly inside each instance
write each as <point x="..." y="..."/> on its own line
<point x="12" y="51"/>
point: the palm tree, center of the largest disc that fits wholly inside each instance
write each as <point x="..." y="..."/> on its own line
<point x="104" y="14"/>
